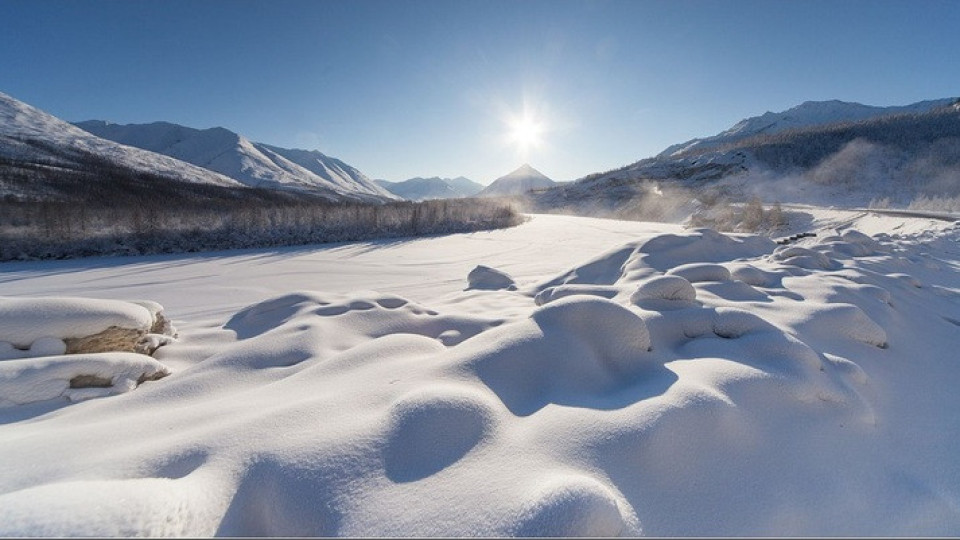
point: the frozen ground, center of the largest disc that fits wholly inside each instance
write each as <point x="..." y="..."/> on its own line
<point x="595" y="378"/>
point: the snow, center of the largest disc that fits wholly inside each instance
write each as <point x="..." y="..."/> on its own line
<point x="23" y="126"/>
<point x="484" y="277"/>
<point x="26" y="320"/>
<point x="249" y="163"/>
<point x="809" y="113"/>
<point x="56" y="376"/>
<point x="622" y="388"/>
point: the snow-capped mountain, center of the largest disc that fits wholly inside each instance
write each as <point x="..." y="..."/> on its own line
<point x="250" y="163"/>
<point x="419" y="189"/>
<point x="903" y="155"/>
<point x="32" y="138"/>
<point x="519" y="181"/>
<point x="809" y="113"/>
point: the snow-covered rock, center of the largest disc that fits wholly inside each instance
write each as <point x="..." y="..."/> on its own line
<point x="484" y="277"/>
<point x="75" y="377"/>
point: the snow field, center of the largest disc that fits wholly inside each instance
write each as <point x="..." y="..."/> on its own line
<point x="678" y="384"/>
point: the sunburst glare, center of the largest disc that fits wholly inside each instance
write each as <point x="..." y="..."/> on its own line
<point x="525" y="131"/>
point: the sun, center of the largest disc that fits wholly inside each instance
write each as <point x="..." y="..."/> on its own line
<point x="525" y="132"/>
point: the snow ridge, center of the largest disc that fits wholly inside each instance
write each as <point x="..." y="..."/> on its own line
<point x="250" y="163"/>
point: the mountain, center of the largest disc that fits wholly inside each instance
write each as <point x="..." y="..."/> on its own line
<point x="809" y="113"/>
<point x="519" y="181"/>
<point x="249" y="163"/>
<point x="41" y="155"/>
<point x="902" y="156"/>
<point x="419" y="189"/>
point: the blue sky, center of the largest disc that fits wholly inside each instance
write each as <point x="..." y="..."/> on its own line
<point x="427" y="88"/>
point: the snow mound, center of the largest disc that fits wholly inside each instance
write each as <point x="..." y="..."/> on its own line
<point x="573" y="351"/>
<point x="575" y="506"/>
<point x="802" y="257"/>
<point x="751" y="275"/>
<point x="431" y="430"/>
<point x="555" y="293"/>
<point x="696" y="272"/>
<point x="669" y="287"/>
<point x="484" y="277"/>
<point x="75" y="377"/>
<point x="841" y="320"/>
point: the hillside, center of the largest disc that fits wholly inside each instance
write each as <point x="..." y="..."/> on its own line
<point x="896" y="159"/>
<point x="249" y="163"/>
<point x="807" y="114"/>
<point x="43" y="157"/>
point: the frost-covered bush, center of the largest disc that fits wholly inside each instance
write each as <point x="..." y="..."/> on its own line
<point x="43" y="230"/>
<point x="750" y="217"/>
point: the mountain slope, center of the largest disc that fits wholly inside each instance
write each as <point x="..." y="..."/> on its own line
<point x="809" y="113"/>
<point x="36" y="146"/>
<point x="517" y="182"/>
<point x="899" y="159"/>
<point x="252" y="164"/>
<point x="418" y="189"/>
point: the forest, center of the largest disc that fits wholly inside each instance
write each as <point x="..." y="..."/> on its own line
<point x="83" y="207"/>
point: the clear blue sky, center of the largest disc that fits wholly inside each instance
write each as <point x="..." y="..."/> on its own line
<point x="403" y="88"/>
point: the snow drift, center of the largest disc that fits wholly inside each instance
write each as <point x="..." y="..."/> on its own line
<point x="679" y="384"/>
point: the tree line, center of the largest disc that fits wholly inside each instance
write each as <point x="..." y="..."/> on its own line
<point x="65" y="207"/>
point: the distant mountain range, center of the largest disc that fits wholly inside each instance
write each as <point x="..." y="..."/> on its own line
<point x="824" y="153"/>
<point x="419" y="189"/>
<point x="518" y="182"/>
<point x="249" y="163"/>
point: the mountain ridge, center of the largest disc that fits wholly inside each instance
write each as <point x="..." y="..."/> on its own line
<point x="435" y="187"/>
<point x="250" y="163"/>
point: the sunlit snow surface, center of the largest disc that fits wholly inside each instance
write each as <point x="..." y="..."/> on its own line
<point x="633" y="379"/>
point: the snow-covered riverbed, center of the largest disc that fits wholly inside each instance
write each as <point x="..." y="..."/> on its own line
<point x="638" y="379"/>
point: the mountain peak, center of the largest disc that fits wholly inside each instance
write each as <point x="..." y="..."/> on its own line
<point x="521" y="180"/>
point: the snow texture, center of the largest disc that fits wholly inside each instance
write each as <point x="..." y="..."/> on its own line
<point x="677" y="383"/>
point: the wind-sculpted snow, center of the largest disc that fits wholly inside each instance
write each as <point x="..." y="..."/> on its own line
<point x="680" y="384"/>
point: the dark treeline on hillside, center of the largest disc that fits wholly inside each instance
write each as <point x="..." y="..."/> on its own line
<point x="101" y="209"/>
<point x="804" y="148"/>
